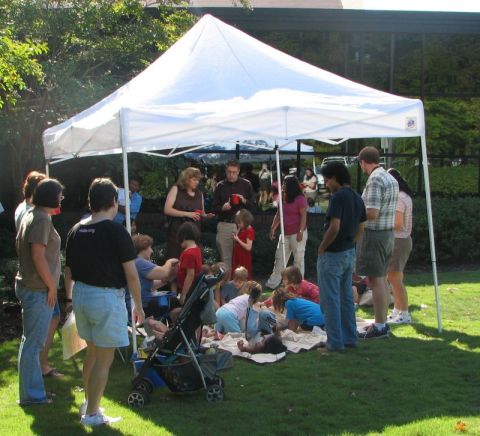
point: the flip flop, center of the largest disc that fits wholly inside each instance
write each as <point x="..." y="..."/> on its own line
<point x="53" y="373"/>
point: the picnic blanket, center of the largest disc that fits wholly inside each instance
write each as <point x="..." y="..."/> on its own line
<point x="295" y="342"/>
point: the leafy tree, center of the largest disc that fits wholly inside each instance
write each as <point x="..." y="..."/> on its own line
<point x="93" y="48"/>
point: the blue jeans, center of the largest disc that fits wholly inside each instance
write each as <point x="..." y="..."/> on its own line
<point x="36" y="318"/>
<point x="334" y="272"/>
<point x="227" y="322"/>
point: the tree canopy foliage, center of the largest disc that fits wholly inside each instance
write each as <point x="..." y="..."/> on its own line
<point x="78" y="51"/>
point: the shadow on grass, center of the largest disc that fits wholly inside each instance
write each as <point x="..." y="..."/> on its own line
<point x="381" y="383"/>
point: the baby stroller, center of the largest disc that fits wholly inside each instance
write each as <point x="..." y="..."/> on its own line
<point x="177" y="360"/>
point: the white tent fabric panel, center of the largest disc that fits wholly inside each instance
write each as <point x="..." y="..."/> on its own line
<point x="219" y="84"/>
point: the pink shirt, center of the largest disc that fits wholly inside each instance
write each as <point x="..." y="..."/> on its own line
<point x="405" y="206"/>
<point x="291" y="214"/>
<point x="306" y="290"/>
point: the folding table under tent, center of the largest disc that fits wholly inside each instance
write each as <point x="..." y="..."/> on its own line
<point x="217" y="84"/>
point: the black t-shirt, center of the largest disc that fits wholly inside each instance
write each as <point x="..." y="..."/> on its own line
<point x="95" y="253"/>
<point x="348" y="207"/>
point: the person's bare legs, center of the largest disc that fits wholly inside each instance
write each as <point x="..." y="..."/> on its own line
<point x="88" y="364"/>
<point x="46" y="368"/>
<point x="400" y="296"/>
<point x="97" y="376"/>
<point x="380" y="298"/>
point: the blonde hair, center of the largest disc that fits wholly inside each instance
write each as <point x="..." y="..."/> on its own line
<point x="186" y="175"/>
<point x="240" y="273"/>
<point x="141" y="242"/>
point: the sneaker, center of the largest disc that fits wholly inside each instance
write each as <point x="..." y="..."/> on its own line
<point x="401" y="318"/>
<point x="98" y="419"/>
<point x="373" y="332"/>
<point x="393" y="314"/>
<point x="83" y="408"/>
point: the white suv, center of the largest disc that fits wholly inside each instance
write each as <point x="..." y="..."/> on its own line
<point x="346" y="160"/>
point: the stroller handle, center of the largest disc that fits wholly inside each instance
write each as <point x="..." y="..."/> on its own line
<point x="213" y="279"/>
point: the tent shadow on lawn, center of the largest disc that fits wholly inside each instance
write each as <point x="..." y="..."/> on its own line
<point x="381" y="383"/>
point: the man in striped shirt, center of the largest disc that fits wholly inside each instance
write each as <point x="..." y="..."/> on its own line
<point x="376" y="245"/>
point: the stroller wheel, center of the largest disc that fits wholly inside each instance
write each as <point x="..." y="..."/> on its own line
<point x="145" y="385"/>
<point x="215" y="393"/>
<point x="138" y="398"/>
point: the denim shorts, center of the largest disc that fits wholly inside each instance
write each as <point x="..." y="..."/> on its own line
<point x="101" y="315"/>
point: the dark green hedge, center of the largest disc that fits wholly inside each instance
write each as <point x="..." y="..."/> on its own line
<point x="457" y="236"/>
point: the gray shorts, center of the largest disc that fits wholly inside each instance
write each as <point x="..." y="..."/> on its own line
<point x="101" y="315"/>
<point x="374" y="250"/>
<point x="401" y="253"/>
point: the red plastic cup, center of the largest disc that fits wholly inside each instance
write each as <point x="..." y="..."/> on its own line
<point x="235" y="199"/>
<point x="199" y="212"/>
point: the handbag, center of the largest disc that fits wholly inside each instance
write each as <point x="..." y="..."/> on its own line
<point x="72" y="343"/>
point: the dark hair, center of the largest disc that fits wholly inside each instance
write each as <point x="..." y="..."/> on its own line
<point x="255" y="291"/>
<point x="31" y="181"/>
<point x="101" y="194"/>
<point x="47" y="192"/>
<point x="188" y="232"/>
<point x="402" y="183"/>
<point x="233" y="163"/>
<point x="337" y="170"/>
<point x="292" y="188"/>
<point x="309" y="169"/>
<point x="369" y="154"/>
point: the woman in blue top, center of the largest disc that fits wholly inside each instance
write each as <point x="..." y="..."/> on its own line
<point x="300" y="312"/>
<point x="151" y="276"/>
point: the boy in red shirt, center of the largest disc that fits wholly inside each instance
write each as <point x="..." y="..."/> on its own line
<point x="190" y="259"/>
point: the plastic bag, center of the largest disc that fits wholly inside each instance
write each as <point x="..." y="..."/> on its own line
<point x="71" y="342"/>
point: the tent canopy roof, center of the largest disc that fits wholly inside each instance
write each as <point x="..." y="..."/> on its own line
<point x="218" y="84"/>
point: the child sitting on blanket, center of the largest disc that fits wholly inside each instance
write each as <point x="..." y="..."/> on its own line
<point x="300" y="312"/>
<point x="232" y="313"/>
<point x="293" y="281"/>
<point x="235" y="287"/>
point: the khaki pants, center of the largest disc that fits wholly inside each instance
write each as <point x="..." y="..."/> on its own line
<point x="224" y="241"/>
<point x="291" y="246"/>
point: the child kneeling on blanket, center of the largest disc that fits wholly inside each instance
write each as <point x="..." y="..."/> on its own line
<point x="231" y="314"/>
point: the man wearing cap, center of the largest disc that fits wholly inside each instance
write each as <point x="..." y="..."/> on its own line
<point x="231" y="194"/>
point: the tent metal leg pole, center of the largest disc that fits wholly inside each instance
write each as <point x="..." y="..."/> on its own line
<point x="47" y="169"/>
<point x="280" y="205"/>
<point x="129" y="229"/>
<point x="127" y="190"/>
<point x="430" y="231"/>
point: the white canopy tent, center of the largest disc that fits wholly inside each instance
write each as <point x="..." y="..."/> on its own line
<point x="218" y="85"/>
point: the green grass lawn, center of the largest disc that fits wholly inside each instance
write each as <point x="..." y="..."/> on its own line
<point x="418" y="382"/>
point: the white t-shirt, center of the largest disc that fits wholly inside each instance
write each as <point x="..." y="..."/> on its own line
<point x="404" y="205"/>
<point x="238" y="306"/>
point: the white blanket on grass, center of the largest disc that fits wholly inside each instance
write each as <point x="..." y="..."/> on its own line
<point x="295" y="342"/>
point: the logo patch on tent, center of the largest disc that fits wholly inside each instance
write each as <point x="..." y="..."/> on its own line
<point x="411" y="123"/>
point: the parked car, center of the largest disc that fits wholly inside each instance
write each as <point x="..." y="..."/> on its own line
<point x="346" y="160"/>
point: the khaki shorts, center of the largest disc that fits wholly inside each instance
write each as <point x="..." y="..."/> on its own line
<point x="374" y="250"/>
<point x="401" y="253"/>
